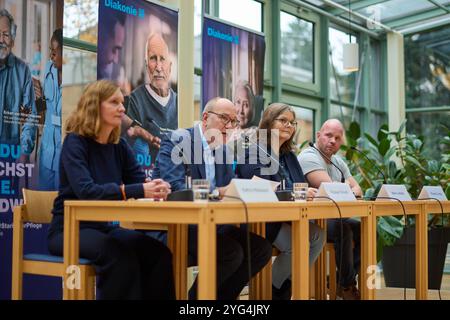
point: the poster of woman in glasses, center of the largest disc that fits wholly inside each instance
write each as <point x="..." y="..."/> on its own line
<point x="233" y="67"/>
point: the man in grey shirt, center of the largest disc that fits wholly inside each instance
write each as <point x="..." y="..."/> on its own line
<point x="318" y="169"/>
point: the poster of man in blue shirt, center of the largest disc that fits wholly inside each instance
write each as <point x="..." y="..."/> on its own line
<point x="17" y="105"/>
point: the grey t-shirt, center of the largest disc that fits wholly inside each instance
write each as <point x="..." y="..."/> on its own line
<point x="311" y="160"/>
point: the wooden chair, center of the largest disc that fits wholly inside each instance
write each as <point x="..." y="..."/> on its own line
<point x="37" y="209"/>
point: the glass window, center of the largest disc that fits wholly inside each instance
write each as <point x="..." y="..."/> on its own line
<point x="376" y="120"/>
<point x="343" y="83"/>
<point x="246" y="13"/>
<point x="376" y="75"/>
<point x="80" y="67"/>
<point x="81" y="20"/>
<point x="305" y="125"/>
<point x="387" y="10"/>
<point x="345" y="114"/>
<point x="297" y="48"/>
<point x="198" y="34"/>
<point x="197" y="97"/>
<point x="427" y="68"/>
<point x="433" y="126"/>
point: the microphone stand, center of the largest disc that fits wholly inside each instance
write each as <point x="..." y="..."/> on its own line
<point x="377" y="189"/>
<point x="282" y="194"/>
<point x="327" y="158"/>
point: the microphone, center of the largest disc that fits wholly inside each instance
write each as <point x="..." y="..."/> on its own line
<point x="327" y="158"/>
<point x="371" y="162"/>
<point x="283" y="194"/>
<point x="180" y="195"/>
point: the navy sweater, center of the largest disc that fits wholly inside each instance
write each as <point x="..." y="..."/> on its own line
<point x="93" y="171"/>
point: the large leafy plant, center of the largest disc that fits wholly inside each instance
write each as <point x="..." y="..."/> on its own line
<point x="401" y="159"/>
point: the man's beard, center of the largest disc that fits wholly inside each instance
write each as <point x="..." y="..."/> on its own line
<point x="3" y="52"/>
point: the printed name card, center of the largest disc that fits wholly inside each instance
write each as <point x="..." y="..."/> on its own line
<point x="336" y="191"/>
<point x="435" y="192"/>
<point x="251" y="191"/>
<point x="397" y="191"/>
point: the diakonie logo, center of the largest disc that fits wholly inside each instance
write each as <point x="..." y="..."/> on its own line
<point x="128" y="9"/>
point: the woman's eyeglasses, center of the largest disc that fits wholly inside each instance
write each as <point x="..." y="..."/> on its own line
<point x="287" y="123"/>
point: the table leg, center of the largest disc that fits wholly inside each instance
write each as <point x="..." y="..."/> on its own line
<point x="320" y="279"/>
<point x="71" y="255"/>
<point x="207" y="257"/>
<point x="421" y="255"/>
<point x="300" y="256"/>
<point x="261" y="284"/>
<point x="368" y="271"/>
<point x="177" y="243"/>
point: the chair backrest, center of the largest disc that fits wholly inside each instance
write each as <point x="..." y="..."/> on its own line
<point x="39" y="205"/>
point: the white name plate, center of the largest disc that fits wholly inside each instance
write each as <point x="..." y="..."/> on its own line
<point x="250" y="191"/>
<point x="432" y="192"/>
<point x="336" y="191"/>
<point x="397" y="191"/>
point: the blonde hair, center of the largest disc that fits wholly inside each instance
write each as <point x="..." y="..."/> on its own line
<point x="85" y="120"/>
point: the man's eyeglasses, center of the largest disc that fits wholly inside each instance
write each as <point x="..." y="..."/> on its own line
<point x="226" y="119"/>
<point x="286" y="122"/>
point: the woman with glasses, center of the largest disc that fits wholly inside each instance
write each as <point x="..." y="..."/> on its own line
<point x="278" y="126"/>
<point x="50" y="147"/>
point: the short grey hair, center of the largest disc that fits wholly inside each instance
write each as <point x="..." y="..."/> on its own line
<point x="12" y="25"/>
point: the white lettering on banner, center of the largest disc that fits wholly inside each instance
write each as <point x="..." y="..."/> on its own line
<point x="9" y="204"/>
<point x="12" y="169"/>
<point x="6" y="225"/>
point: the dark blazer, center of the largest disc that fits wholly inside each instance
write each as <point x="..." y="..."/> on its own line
<point x="175" y="173"/>
<point x="247" y="171"/>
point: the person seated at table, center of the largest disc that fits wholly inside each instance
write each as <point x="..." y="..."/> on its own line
<point x="96" y="164"/>
<point x="344" y="233"/>
<point x="278" y="125"/>
<point x="206" y="148"/>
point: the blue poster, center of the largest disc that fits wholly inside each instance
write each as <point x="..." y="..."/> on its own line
<point x="233" y="68"/>
<point x="138" y="50"/>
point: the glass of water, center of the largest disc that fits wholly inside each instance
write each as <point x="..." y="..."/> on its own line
<point x="200" y="188"/>
<point x="300" y="191"/>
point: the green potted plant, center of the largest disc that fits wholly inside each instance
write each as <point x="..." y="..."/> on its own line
<point x="402" y="160"/>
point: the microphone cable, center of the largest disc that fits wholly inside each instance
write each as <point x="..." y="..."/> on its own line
<point x="248" y="236"/>
<point x="406" y="238"/>
<point x="441" y="242"/>
<point x="341" y="234"/>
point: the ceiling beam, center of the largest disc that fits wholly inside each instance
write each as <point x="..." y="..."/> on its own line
<point x="439" y="5"/>
<point x="357" y="5"/>
<point x="411" y="19"/>
<point x="356" y="14"/>
<point x="425" y="25"/>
